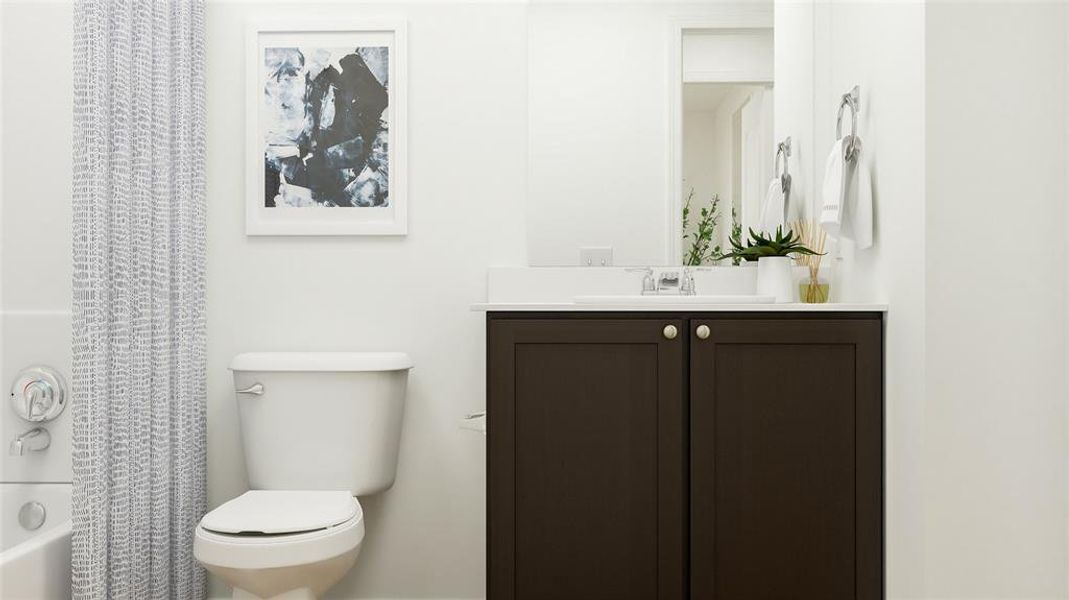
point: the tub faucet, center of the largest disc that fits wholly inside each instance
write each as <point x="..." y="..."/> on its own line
<point x="34" y="440"/>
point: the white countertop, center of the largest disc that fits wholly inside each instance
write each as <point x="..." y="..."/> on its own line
<point x="612" y="289"/>
<point x="689" y="307"/>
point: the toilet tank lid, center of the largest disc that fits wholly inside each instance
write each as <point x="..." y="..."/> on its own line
<point x="321" y="361"/>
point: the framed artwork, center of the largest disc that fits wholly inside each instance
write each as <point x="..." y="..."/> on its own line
<point x="326" y="128"/>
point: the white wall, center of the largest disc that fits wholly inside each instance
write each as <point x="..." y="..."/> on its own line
<point x="703" y="168"/>
<point x="37" y="130"/>
<point x="822" y="50"/>
<point x="35" y="218"/>
<point x="881" y="48"/>
<point x="722" y="132"/>
<point x="976" y="385"/>
<point x="737" y="55"/>
<point x="793" y="93"/>
<point x="995" y="415"/>
<point x="467" y="162"/>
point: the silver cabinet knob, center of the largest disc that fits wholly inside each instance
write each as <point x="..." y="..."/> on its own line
<point x="670" y="332"/>
<point x="702" y="332"/>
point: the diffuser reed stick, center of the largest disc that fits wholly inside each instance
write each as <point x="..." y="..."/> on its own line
<point x="814" y="237"/>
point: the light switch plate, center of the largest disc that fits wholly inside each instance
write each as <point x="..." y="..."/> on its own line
<point x="595" y="256"/>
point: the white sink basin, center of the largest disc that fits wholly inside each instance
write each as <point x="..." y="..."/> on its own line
<point x="675" y="299"/>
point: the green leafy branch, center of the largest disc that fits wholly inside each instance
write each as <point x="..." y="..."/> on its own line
<point x="700" y="241"/>
<point x="736" y="233"/>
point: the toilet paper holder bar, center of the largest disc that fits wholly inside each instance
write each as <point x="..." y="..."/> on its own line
<point x="475" y="421"/>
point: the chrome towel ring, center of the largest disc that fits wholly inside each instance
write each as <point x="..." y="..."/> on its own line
<point x="784" y="149"/>
<point x="852" y="143"/>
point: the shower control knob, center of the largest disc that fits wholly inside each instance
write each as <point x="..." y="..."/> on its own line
<point x="38" y="394"/>
<point x="702" y="332"/>
<point x="670" y="332"/>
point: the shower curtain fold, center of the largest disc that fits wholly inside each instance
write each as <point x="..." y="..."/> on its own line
<point x="139" y="290"/>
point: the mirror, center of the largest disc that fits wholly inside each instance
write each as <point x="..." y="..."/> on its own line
<point x="632" y="109"/>
<point x="725" y="138"/>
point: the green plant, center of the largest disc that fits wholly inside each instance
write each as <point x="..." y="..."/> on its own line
<point x="701" y="239"/>
<point x="762" y="245"/>
<point x="736" y="232"/>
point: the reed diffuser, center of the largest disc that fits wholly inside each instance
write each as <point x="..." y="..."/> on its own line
<point x="813" y="236"/>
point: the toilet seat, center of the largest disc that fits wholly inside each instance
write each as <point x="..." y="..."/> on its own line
<point x="281" y="511"/>
<point x="265" y="529"/>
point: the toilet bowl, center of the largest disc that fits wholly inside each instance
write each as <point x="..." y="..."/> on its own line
<point x="281" y="544"/>
<point x="318" y="430"/>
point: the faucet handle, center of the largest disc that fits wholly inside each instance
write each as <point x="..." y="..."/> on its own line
<point x="649" y="285"/>
<point x="38" y="394"/>
<point x="687" y="287"/>
<point x="38" y="397"/>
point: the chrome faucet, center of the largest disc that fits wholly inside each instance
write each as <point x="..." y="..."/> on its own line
<point x="669" y="280"/>
<point x="649" y="284"/>
<point x="34" y="440"/>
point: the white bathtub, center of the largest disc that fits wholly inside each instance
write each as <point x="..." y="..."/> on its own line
<point x="35" y="565"/>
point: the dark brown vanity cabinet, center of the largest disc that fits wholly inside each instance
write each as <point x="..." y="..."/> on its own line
<point x="709" y="456"/>
<point x="586" y="456"/>
<point x="786" y="467"/>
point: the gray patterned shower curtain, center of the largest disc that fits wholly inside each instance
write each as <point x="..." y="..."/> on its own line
<point x="138" y="306"/>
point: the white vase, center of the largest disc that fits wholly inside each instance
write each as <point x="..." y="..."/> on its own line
<point x="774" y="278"/>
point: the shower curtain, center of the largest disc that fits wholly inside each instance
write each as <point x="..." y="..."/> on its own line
<point x="138" y="305"/>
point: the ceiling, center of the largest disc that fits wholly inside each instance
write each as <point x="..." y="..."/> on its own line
<point x="708" y="96"/>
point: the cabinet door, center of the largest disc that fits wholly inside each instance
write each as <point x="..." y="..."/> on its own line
<point x="585" y="460"/>
<point x="786" y="459"/>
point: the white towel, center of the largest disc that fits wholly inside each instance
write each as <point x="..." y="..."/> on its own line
<point x="831" y="215"/>
<point x="772" y="210"/>
<point x="847" y="196"/>
<point x="857" y="217"/>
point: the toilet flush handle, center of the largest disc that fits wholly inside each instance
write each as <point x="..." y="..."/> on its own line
<point x="256" y="389"/>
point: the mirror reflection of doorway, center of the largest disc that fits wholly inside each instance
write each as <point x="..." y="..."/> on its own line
<point x="726" y="139"/>
<point x="727" y="145"/>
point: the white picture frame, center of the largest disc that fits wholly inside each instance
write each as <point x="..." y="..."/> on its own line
<point x="293" y="209"/>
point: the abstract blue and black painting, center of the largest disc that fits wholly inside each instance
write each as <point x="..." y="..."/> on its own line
<point x="326" y="127"/>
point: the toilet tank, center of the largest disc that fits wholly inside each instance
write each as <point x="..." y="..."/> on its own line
<point x="321" y="420"/>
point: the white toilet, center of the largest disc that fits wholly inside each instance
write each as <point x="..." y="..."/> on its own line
<point x="317" y="429"/>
